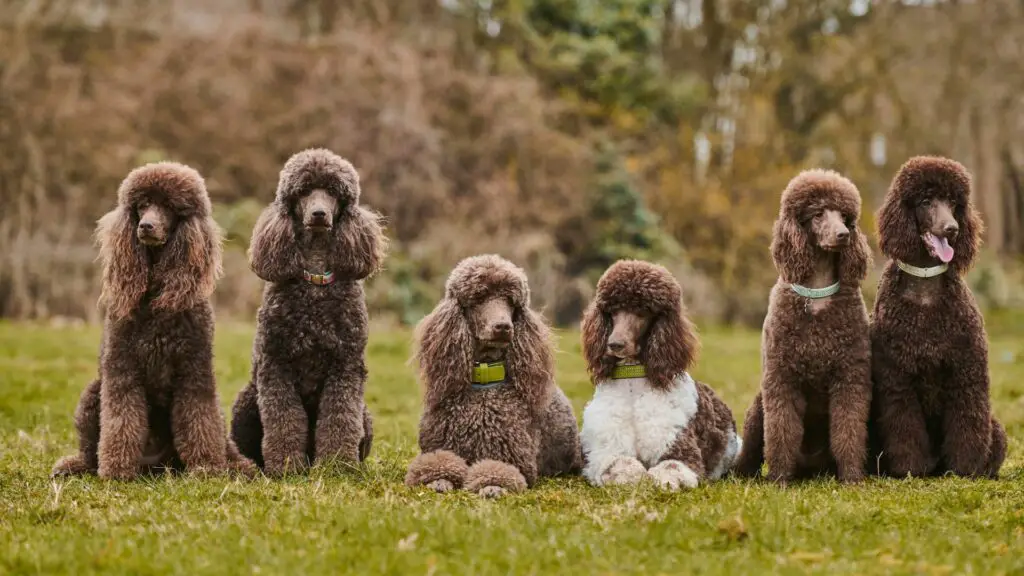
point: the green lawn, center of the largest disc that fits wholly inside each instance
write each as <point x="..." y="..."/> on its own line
<point x="366" y="521"/>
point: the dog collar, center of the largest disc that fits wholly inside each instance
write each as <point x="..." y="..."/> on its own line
<point x="929" y="272"/>
<point x="815" y="293"/>
<point x="488" y="375"/>
<point x="624" y="371"/>
<point x="318" y="279"/>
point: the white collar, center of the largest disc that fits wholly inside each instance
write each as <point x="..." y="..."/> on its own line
<point x="929" y="272"/>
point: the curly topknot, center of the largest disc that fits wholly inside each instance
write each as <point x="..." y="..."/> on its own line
<point x="318" y="168"/>
<point x="638" y="286"/>
<point x="180" y="186"/>
<point x="477" y="278"/>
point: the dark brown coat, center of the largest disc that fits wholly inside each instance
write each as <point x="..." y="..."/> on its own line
<point x="154" y="405"/>
<point x="305" y="400"/>
<point x="497" y="439"/>
<point x="931" y="412"/>
<point x="811" y="413"/>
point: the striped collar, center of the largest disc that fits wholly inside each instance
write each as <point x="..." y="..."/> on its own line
<point x="815" y="293"/>
<point x="488" y="375"/>
<point x="929" y="272"/>
<point x="318" y="279"/>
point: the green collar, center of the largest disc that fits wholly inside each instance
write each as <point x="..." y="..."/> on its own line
<point x="815" y="293"/>
<point x="488" y="375"/>
<point x="624" y="371"/>
<point x="318" y="279"/>
<point x="929" y="272"/>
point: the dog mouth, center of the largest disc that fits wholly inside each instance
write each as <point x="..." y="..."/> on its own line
<point x="938" y="247"/>
<point x="319" y="226"/>
<point x="150" y="239"/>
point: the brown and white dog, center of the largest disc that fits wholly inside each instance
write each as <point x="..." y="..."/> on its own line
<point x="648" y="417"/>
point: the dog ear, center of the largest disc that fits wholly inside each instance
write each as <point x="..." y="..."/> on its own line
<point x="791" y="250"/>
<point x="444" y="351"/>
<point x="968" y="241"/>
<point x="190" y="264"/>
<point x="594" y="331"/>
<point x="125" y="264"/>
<point x="897" y="228"/>
<point x="360" y="244"/>
<point x="670" y="348"/>
<point x="855" y="258"/>
<point x="273" y="252"/>
<point x="531" y="366"/>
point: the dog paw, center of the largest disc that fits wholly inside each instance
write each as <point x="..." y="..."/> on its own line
<point x="441" y="486"/>
<point x="853" y="477"/>
<point x="673" y="475"/>
<point x="491" y="491"/>
<point x="623" y="470"/>
<point x="69" y="466"/>
<point x="117" y="473"/>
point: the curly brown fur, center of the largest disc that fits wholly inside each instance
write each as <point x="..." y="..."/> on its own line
<point x="525" y="423"/>
<point x="154" y="405"/>
<point x="664" y="425"/>
<point x="811" y="413"/>
<point x="305" y="402"/>
<point x="931" y="412"/>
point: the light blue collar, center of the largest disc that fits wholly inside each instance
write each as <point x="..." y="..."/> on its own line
<point x="815" y="293"/>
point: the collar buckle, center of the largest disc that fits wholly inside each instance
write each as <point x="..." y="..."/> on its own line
<point x="488" y="375"/>
<point x="318" y="279"/>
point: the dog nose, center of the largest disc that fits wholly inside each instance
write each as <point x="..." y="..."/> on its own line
<point x="503" y="327"/>
<point x="319" y="214"/>
<point x="147" y="226"/>
<point x="951" y="229"/>
<point x="843" y="236"/>
<point x="616" y="346"/>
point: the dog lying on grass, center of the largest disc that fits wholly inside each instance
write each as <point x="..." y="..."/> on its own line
<point x="649" y="417"/>
<point x="493" y="419"/>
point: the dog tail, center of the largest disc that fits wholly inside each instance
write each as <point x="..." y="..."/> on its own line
<point x="748" y="464"/>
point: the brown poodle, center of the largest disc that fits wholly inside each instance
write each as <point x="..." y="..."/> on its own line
<point x="811" y="413"/>
<point x="493" y="418"/>
<point x="928" y="343"/>
<point x="154" y="405"/>
<point x="313" y="245"/>
<point x="648" y="417"/>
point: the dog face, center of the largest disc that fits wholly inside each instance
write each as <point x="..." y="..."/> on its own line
<point x="317" y="210"/>
<point x="829" y="229"/>
<point x="492" y="325"/>
<point x="156" y="221"/>
<point x="628" y="331"/>
<point x="937" y="226"/>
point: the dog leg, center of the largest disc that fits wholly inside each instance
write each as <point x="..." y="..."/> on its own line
<point x="901" y="423"/>
<point x="849" y="407"/>
<point x="967" y="421"/>
<point x="366" y="444"/>
<point x="124" y="426"/>
<point x="784" y="410"/>
<point x="285" y="423"/>
<point x="997" y="450"/>
<point x="87" y="424"/>
<point x="198" y="427"/>
<point x="491" y="478"/>
<point x="751" y="456"/>
<point x="682" y="465"/>
<point x="246" y="427"/>
<point x="339" y="425"/>
<point x="441" y="470"/>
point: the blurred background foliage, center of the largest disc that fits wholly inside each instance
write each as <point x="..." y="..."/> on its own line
<point x="564" y="134"/>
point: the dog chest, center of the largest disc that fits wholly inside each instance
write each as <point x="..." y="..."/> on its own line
<point x="629" y="417"/>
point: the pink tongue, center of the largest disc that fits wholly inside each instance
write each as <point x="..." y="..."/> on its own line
<point x="942" y="248"/>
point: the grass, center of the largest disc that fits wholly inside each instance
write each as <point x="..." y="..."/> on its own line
<point x="364" y="520"/>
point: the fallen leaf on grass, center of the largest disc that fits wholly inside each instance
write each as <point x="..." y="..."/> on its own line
<point x="408" y="543"/>
<point x="733" y="527"/>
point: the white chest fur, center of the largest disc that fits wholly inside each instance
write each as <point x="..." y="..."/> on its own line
<point x="629" y="418"/>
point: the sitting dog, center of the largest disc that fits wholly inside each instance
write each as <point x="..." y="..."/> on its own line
<point x="312" y="245"/>
<point x="493" y="418"/>
<point x="928" y="343"/>
<point x="811" y="414"/>
<point x="154" y="406"/>
<point x="648" y="417"/>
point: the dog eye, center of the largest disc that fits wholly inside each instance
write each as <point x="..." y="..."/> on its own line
<point x="926" y="202"/>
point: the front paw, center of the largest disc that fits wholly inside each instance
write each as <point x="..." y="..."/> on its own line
<point x="69" y="466"/>
<point x="441" y="486"/>
<point x="117" y="472"/>
<point x="673" y="475"/>
<point x="854" y="476"/>
<point x="623" y="470"/>
<point x="491" y="491"/>
<point x="278" y="468"/>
